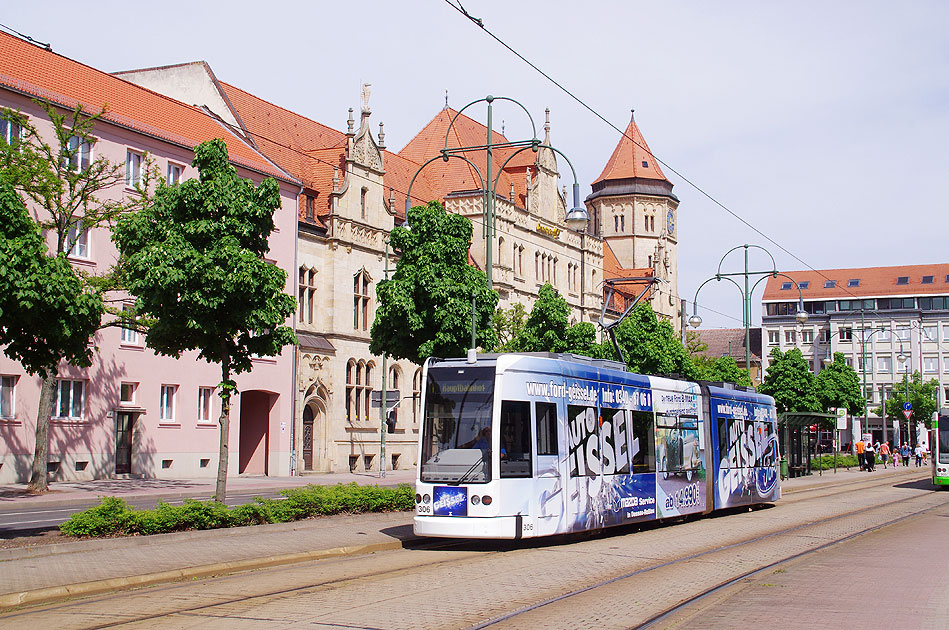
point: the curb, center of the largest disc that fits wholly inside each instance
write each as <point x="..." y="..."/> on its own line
<point x="9" y="601"/>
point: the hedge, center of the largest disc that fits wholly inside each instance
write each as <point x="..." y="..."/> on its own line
<point x="115" y="517"/>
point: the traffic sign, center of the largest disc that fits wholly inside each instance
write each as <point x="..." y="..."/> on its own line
<point x="393" y="398"/>
<point x="907" y="413"/>
<point x="907" y="406"/>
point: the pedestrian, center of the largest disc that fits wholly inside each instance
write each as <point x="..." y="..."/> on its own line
<point x="918" y="452"/>
<point x="885" y="453"/>
<point x="904" y="453"/>
<point x="869" y="455"/>
<point x="860" y="447"/>
<point x="925" y="452"/>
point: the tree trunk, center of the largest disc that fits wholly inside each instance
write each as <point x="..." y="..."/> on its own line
<point x="225" y="422"/>
<point x="39" y="480"/>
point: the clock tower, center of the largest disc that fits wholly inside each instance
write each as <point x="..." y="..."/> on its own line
<point x="632" y="208"/>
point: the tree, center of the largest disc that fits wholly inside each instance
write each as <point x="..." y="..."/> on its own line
<point x="923" y="396"/>
<point x="694" y="344"/>
<point x="547" y="328"/>
<point x="425" y="309"/>
<point x="47" y="315"/>
<point x="789" y="382"/>
<point x="723" y="369"/>
<point x="194" y="260"/>
<point x="650" y="345"/>
<point x="508" y="324"/>
<point x="837" y="385"/>
<point x="65" y="185"/>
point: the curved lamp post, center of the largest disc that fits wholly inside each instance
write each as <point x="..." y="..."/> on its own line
<point x="902" y="358"/>
<point x="695" y="321"/>
<point x="864" y="337"/>
<point x="576" y="218"/>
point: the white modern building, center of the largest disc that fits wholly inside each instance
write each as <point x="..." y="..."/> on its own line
<point x="875" y="316"/>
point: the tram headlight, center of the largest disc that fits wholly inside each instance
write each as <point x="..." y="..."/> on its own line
<point x="418" y="498"/>
<point x="486" y="500"/>
<point x="426" y="499"/>
<point x="475" y="499"/>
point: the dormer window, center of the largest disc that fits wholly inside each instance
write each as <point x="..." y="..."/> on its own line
<point x="830" y="284"/>
<point x="928" y="279"/>
<point x="902" y="280"/>
<point x="804" y="284"/>
<point x="786" y="286"/>
<point x="853" y="282"/>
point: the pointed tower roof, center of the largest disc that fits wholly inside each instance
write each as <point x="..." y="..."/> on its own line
<point x="631" y="169"/>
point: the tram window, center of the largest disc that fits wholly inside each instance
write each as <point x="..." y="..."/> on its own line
<point x="515" y="438"/>
<point x="546" y="414"/>
<point x="615" y="455"/>
<point x="584" y="441"/>
<point x="677" y="439"/>
<point x="732" y="442"/>
<point x="644" y="443"/>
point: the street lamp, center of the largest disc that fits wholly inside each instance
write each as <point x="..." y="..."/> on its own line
<point x="576" y="218"/>
<point x="800" y="317"/>
<point x="902" y="358"/>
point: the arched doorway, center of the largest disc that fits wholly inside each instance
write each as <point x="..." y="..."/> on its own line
<point x="313" y="435"/>
<point x="254" y="442"/>
<point x="308" y="438"/>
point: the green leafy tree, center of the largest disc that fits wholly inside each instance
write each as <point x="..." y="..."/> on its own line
<point x="837" y="385"/>
<point x="55" y="173"/>
<point x="508" y="324"/>
<point x="723" y="369"/>
<point x="650" y="345"/>
<point x="789" y="382"/>
<point x="425" y="309"/>
<point x="547" y="328"/>
<point x="694" y="344"/>
<point x="194" y="260"/>
<point x="47" y="314"/>
<point x="923" y="396"/>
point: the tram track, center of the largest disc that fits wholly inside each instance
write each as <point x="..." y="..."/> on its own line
<point x="656" y="617"/>
<point x="365" y="575"/>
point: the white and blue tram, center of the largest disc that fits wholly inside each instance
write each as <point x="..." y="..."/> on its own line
<point x="524" y="445"/>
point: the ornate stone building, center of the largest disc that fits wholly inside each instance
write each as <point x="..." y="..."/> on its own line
<point x="354" y="193"/>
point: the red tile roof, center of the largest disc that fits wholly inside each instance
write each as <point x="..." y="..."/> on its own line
<point x="612" y="269"/>
<point x="293" y="141"/>
<point x="456" y="175"/>
<point x="724" y="342"/>
<point x="40" y="73"/>
<point x="631" y="158"/>
<point x="874" y="282"/>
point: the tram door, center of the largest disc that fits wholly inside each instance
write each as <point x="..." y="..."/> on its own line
<point x="548" y="499"/>
<point x="584" y="509"/>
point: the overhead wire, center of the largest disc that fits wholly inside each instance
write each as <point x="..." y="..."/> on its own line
<point x="479" y="22"/>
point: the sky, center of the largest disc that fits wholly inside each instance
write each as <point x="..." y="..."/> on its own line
<point x="814" y="129"/>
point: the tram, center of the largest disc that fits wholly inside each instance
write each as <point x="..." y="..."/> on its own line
<point x="939" y="444"/>
<point x="535" y="444"/>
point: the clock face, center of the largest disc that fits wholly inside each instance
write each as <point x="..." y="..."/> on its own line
<point x="671" y="222"/>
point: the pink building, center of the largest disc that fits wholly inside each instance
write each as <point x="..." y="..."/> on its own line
<point x="133" y="412"/>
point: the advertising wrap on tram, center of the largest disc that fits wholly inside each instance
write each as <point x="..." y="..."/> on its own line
<point x="746" y="451"/>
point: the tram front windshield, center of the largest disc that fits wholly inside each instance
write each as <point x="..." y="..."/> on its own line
<point x="943" y="442"/>
<point x="457" y="429"/>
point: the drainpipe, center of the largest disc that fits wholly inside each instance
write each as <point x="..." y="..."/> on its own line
<point x="296" y="350"/>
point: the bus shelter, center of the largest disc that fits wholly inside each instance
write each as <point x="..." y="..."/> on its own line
<point x="798" y="440"/>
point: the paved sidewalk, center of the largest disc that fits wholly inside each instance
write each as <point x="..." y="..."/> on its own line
<point x="52" y="572"/>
